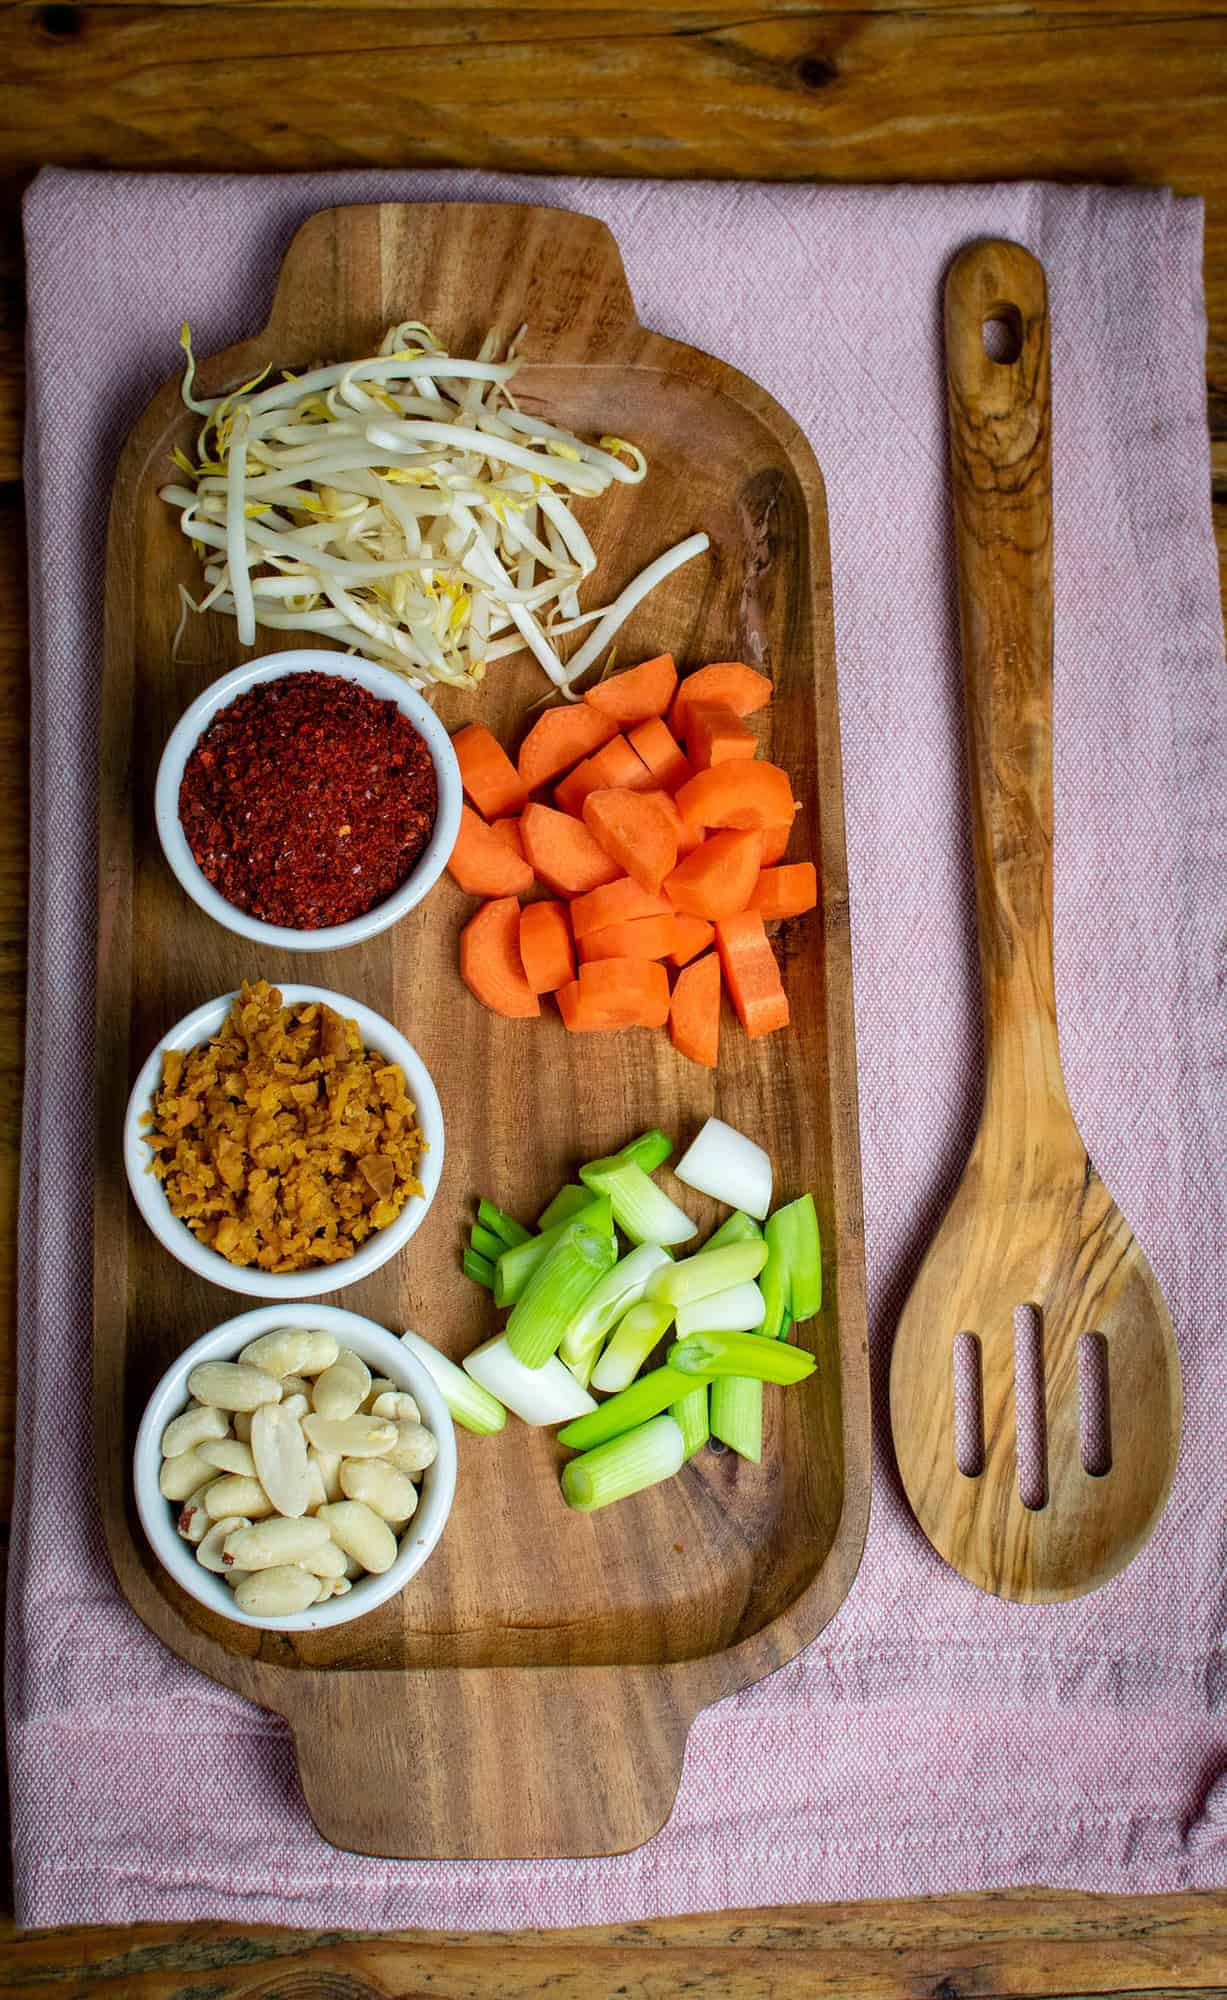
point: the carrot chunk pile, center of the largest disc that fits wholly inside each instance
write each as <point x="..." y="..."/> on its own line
<point x="660" y="844"/>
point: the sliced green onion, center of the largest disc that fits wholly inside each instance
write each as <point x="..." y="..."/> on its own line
<point x="737" y="1354"/>
<point x="486" y="1243"/>
<point x="645" y="1398"/>
<point x="739" y="1228"/>
<point x="556" y="1291"/>
<point x="473" y="1407"/>
<point x="792" y="1234"/>
<point x="690" y="1416"/>
<point x="711" y="1271"/>
<point x="566" y="1203"/>
<point x="737" y="1414"/>
<point x="739" y="1310"/>
<point x="479" y="1268"/>
<point x="773" y="1284"/>
<point x="649" y="1151"/>
<point x="641" y="1209"/>
<point x="604" y="1306"/>
<point x="546" y="1395"/>
<point x="630" y="1345"/>
<point x="505" y="1226"/>
<point x="614" y="1471"/>
<point x="515" y="1267"/>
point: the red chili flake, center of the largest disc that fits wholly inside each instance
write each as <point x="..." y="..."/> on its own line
<point x="308" y="800"/>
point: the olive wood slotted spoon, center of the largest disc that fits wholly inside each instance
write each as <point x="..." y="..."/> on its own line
<point x="1031" y="1223"/>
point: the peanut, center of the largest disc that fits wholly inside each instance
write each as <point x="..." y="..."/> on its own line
<point x="280" y="1453"/>
<point x="231" y="1385"/>
<point x="343" y="1388"/>
<point x="361" y="1533"/>
<point x="276" y="1593"/>
<point x="197" y="1423"/>
<point x="387" y="1492"/>
<point x="351" y="1437"/>
<point x="291" y="1350"/>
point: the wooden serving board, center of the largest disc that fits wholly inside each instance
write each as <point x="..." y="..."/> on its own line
<point x="530" y="1692"/>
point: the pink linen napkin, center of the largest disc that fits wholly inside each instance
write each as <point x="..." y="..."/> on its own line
<point x="932" y="1739"/>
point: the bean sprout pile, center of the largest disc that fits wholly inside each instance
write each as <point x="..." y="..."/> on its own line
<point x="406" y="508"/>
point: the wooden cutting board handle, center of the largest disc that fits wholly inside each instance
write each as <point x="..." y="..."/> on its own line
<point x="1001" y="469"/>
<point x="494" y="1764"/>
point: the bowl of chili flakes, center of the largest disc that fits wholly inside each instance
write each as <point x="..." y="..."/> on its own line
<point x="283" y="1142"/>
<point x="308" y="800"/>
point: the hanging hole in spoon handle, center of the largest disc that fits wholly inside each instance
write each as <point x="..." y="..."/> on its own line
<point x="1001" y="477"/>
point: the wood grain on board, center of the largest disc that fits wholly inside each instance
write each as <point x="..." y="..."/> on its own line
<point x="940" y="91"/>
<point x="635" y="1618"/>
<point x="1000" y="1946"/>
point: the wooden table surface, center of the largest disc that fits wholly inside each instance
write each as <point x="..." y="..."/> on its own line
<point x="1132" y="92"/>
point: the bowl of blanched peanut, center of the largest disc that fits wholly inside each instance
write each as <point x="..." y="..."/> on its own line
<point x="295" y="1467"/>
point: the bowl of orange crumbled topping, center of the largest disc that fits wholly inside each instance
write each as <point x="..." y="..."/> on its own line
<point x="283" y="1142"/>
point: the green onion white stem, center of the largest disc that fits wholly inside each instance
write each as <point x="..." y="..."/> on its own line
<point x="738" y="1310"/>
<point x="737" y="1414"/>
<point x="712" y="1354"/>
<point x="546" y="1395"/>
<point x="645" y="1398"/>
<point x="708" y="1272"/>
<point x="641" y="1210"/>
<point x="605" y="1304"/>
<point x="473" y="1407"/>
<point x="726" y="1165"/>
<point x="614" y="1471"/>
<point x="690" y="1414"/>
<point x="630" y="1345"/>
<point x="554" y="1294"/>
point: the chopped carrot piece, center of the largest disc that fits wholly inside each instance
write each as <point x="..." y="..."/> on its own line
<point x="737" y="795"/>
<point x="637" y="693"/>
<point x="775" y="840"/>
<point x="635" y="833"/>
<point x="487" y="773"/>
<point x="620" y="902"/>
<point x="738" y="687"/>
<point x="687" y="836"/>
<point x="785" y="892"/>
<point x="718" y="879"/>
<point x="751" y="973"/>
<point x="716" y="734"/>
<point x="483" y="863"/>
<point x="508" y="831"/>
<point x="490" y="960"/>
<point x="640" y="985"/>
<point x="694" y="1012"/>
<point x="560" y="738"/>
<point x="654" y="742"/>
<point x="642" y="937"/>
<point x="615" y="764"/>
<point x="562" y="853"/>
<point x="584" y="1014"/>
<point x="694" y="934"/>
<point x="545" y="946"/>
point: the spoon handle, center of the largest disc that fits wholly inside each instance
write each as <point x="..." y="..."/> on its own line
<point x="1001" y="469"/>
